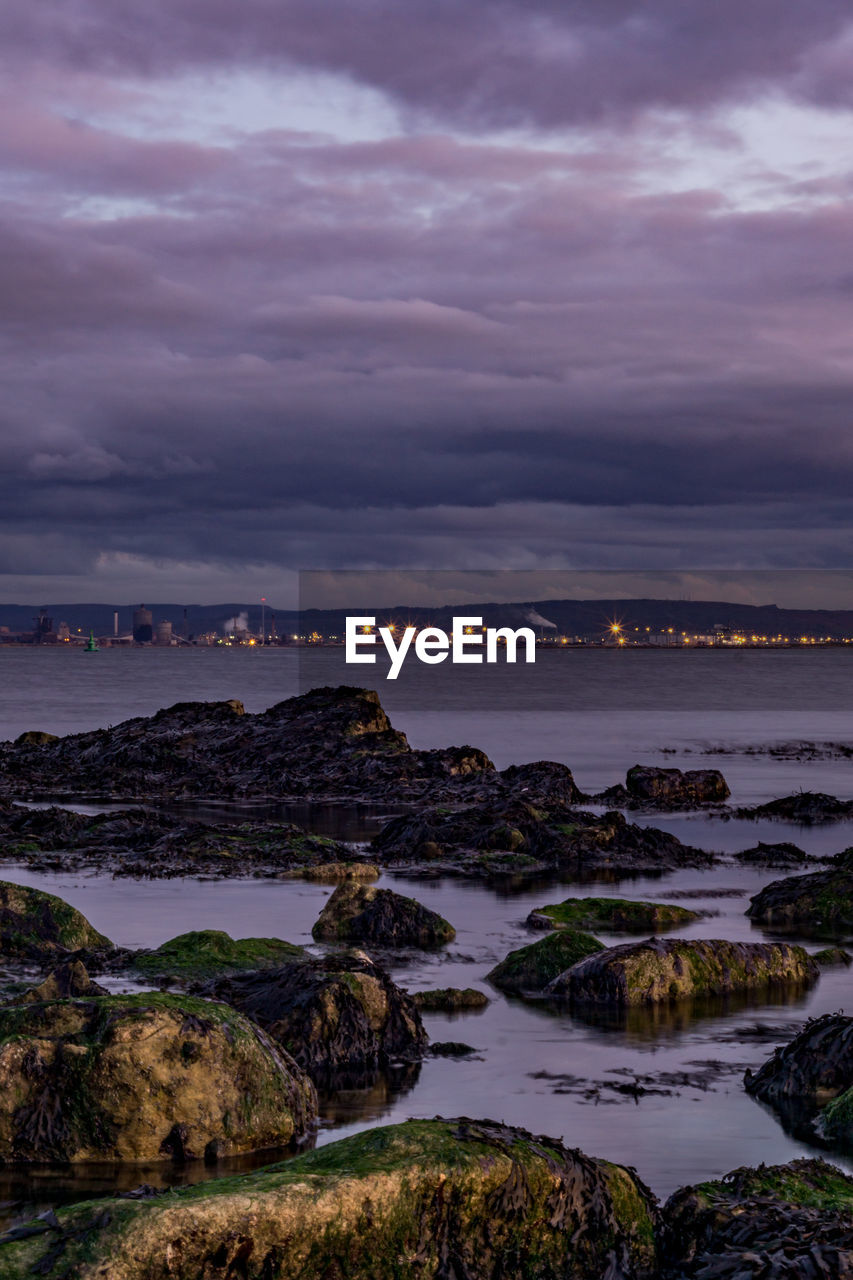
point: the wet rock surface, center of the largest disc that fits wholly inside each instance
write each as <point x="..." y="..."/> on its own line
<point x="783" y="854"/>
<point x="821" y="902"/>
<point x="362" y="913"/>
<point x="69" y="980"/>
<point x="151" y="1077"/>
<point x="661" y="971"/>
<point x="612" y="915"/>
<point x="450" y="1000"/>
<point x="647" y="786"/>
<point x="529" y="970"/>
<point x="809" y="1080"/>
<point x="39" y="926"/>
<point x="340" y="1017"/>
<point x="785" y="1222"/>
<point x="329" y="742"/>
<point x="805" y="807"/>
<point x="437" y="1198"/>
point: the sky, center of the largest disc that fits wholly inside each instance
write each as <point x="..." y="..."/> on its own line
<point x="442" y="284"/>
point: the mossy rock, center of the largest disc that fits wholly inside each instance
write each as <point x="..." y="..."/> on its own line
<point x="791" y="1220"/>
<point x="204" y="953"/>
<point x="144" y="1077"/>
<point x="39" y="926"/>
<point x="336" y="872"/>
<point x="819" y="903"/>
<point x="831" y="956"/>
<point x="614" y="915"/>
<point x="35" y="738"/>
<point x="432" y="1198"/>
<point x="659" y="970"/>
<point x="362" y="913"/>
<point x="340" y="1016"/>
<point x="69" y="980"/>
<point x="450" y="999"/>
<point x="531" y="968"/>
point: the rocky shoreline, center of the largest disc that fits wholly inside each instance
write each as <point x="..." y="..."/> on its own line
<point x="228" y="1045"/>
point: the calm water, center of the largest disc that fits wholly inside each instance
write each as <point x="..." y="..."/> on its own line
<point x="550" y="1072"/>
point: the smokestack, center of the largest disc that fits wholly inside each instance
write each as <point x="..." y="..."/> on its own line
<point x="115" y="623"/>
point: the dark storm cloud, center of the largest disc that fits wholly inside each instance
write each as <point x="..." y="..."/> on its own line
<point x="503" y="61"/>
<point x="425" y="348"/>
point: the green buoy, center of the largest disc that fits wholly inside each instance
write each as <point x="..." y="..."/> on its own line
<point x="90" y="645"/>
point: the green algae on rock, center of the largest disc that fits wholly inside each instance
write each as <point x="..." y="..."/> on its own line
<point x="339" y="1016"/>
<point x="617" y="915"/>
<point x="204" y="953"/>
<point x="531" y="968"/>
<point x="819" y="903"/>
<point x="363" y="913"/>
<point x="143" y="1077"/>
<point x="432" y="1198"/>
<point x="638" y="973"/>
<point x="777" y="1223"/>
<point x="449" y="999"/>
<point x="39" y="926"/>
<point x="831" y="956"/>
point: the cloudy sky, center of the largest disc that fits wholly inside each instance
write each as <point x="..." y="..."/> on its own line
<point x="477" y="284"/>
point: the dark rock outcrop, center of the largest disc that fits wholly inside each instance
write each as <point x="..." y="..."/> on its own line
<point x="150" y="1077"/>
<point x="363" y="913"/>
<point x="816" y="1066"/>
<point x="676" y="788"/>
<point x="783" y="854"/>
<point x="340" y="1017"/>
<point x="432" y="1198"/>
<point x="68" y="981"/>
<point x="658" y="970"/>
<point x="818" y="903"/>
<point x="805" y="807"/>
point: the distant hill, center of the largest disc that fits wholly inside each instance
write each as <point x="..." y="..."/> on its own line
<point x="587" y="618"/>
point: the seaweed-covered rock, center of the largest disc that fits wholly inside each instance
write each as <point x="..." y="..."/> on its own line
<point x="340" y="1017"/>
<point x="450" y="1000"/>
<point x="785" y="1222"/>
<point x="362" y="913"/>
<point x="432" y="1198"/>
<point x="145" y="1077"/>
<point x="329" y="742"/>
<point x="517" y="836"/>
<point x="205" y="953"/>
<point x="336" y="872"/>
<point x="815" y="1065"/>
<point x="676" y="788"/>
<point x="831" y="956"/>
<point x="613" y="915"/>
<point x="637" y="973"/>
<point x="68" y="981"/>
<point x="805" y="807"/>
<point x="782" y="854"/>
<point x="39" y="926"/>
<point x="530" y="969"/>
<point x="818" y="903"/>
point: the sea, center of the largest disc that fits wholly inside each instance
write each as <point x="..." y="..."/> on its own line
<point x="661" y="1091"/>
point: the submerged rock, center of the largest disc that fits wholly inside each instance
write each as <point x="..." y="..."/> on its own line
<point x="361" y="913"/>
<point x="806" y="807"/>
<point x="450" y="1000"/>
<point x="637" y="973"/>
<point x="435" y="1198"/>
<point x="39" y="926"/>
<point x="784" y="1222"/>
<point x="783" y="854"/>
<point x="614" y="915"/>
<point x="821" y="902"/>
<point x="340" y="1016"/>
<point x="529" y="969"/>
<point x="146" y="1077"/>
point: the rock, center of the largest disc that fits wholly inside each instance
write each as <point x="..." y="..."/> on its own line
<point x="832" y="956"/>
<point x="449" y="1000"/>
<point x="330" y="742"/>
<point x="451" y="1049"/>
<point x="613" y="915"/>
<point x="676" y="788"/>
<point x="783" y="854"/>
<point x="206" y="953"/>
<point x="821" y="902"/>
<point x="518" y="838"/>
<point x="815" y="1066"/>
<point x="39" y="926"/>
<point x="639" y="973"/>
<point x="35" y="738"/>
<point x="785" y="1222"/>
<point x="340" y="1017"/>
<point x="805" y="807"/>
<point x="529" y="969"/>
<point x="336" y="872"/>
<point x="69" y="980"/>
<point x="145" y="1077"/>
<point x="835" y="1122"/>
<point x="435" y="1198"/>
<point x="360" y="913"/>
